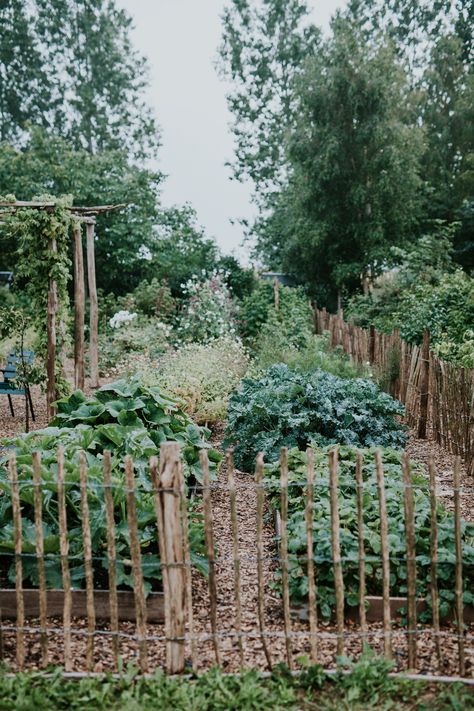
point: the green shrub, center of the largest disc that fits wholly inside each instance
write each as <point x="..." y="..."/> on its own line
<point x="287" y="409"/>
<point x="347" y="497"/>
<point x="293" y="318"/>
<point x="202" y="376"/>
<point x="315" y="354"/>
<point x="153" y="298"/>
<point x="209" y="311"/>
<point x="143" y="335"/>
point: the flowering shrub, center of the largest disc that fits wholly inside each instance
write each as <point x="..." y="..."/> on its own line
<point x="146" y="336"/>
<point x="121" y="318"/>
<point x="202" y="375"/>
<point x="209" y="312"/>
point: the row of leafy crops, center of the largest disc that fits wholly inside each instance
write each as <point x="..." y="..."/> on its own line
<point x="125" y="418"/>
<point x="347" y="497"/>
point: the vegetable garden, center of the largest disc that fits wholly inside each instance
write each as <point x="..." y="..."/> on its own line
<point x="239" y="495"/>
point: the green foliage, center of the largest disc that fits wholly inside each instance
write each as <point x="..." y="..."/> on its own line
<point x="317" y="353"/>
<point x="264" y="46"/>
<point x="145" y="336"/>
<point x="202" y="375"/>
<point x="293" y="318"/>
<point x="366" y="685"/>
<point x="49" y="164"/>
<point x="424" y="293"/>
<point x="152" y="298"/>
<point x="99" y="79"/>
<point x="208" y="312"/>
<point x="354" y="187"/>
<point x="34" y="232"/>
<point x="126" y="418"/>
<point x="289" y="409"/>
<point x="347" y="497"/>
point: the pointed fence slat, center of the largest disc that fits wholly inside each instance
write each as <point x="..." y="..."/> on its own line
<point x="360" y="538"/>
<point x="17" y="532"/>
<point x="111" y="555"/>
<point x="411" y="560"/>
<point x="313" y="612"/>
<point x="387" y="625"/>
<point x="434" y="557"/>
<point x="89" y="573"/>
<point x="459" y="582"/>
<point x="188" y="570"/>
<point x="135" y="554"/>
<point x="260" y="554"/>
<point x="336" y="549"/>
<point x="236" y="555"/>
<point x="284" y="554"/>
<point x="38" y="506"/>
<point x="172" y="555"/>
<point x="209" y="534"/>
<point x="64" y="550"/>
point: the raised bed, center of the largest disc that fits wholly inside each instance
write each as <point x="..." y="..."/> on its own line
<point x="155" y="608"/>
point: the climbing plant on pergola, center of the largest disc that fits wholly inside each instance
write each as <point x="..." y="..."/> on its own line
<point x="43" y="229"/>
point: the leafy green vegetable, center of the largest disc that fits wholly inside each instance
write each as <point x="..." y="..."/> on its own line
<point x="394" y="487"/>
<point x="289" y="409"/>
<point x="124" y="417"/>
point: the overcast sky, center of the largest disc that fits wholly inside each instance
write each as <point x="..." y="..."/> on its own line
<point x="180" y="40"/>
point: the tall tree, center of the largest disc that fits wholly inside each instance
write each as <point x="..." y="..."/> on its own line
<point x="70" y="66"/>
<point x="354" y="156"/>
<point x="24" y="90"/>
<point x="263" y="49"/>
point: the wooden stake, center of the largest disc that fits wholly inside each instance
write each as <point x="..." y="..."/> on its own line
<point x="276" y="294"/>
<point x="188" y="568"/>
<point x="434" y="556"/>
<point x="136" y="556"/>
<point x="93" y="307"/>
<point x="411" y="560"/>
<point x="360" y="535"/>
<point x="260" y="553"/>
<point x="111" y="554"/>
<point x="64" y="550"/>
<point x="38" y="504"/>
<point x="387" y="626"/>
<point x="52" y="339"/>
<point x="284" y="554"/>
<point x="313" y="611"/>
<point x="424" y="385"/>
<point x="236" y="555"/>
<point x="459" y="581"/>
<point x="86" y="535"/>
<point x="336" y="549"/>
<point x="159" y="503"/>
<point x="208" y="527"/>
<point x="17" y="530"/>
<point x="79" y="308"/>
<point x="173" y="556"/>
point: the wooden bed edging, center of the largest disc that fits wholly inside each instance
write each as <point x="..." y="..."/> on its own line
<point x="55" y="604"/>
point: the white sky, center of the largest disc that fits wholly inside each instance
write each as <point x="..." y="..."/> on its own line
<point x="180" y="40"/>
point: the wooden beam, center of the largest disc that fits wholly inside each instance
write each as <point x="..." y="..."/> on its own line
<point x="52" y="340"/>
<point x="79" y="309"/>
<point x="93" y="308"/>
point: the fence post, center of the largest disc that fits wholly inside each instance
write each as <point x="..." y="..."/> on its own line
<point x="424" y="385"/>
<point x="172" y="546"/>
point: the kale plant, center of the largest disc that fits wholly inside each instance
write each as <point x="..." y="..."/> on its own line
<point x="289" y="409"/>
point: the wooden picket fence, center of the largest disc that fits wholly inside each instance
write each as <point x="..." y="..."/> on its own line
<point x="438" y="396"/>
<point x="182" y="637"/>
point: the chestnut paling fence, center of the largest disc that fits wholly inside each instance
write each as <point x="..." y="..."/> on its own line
<point x="438" y="396"/>
<point x="182" y="638"/>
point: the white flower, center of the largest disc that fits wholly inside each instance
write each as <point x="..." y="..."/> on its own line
<point x="120" y="318"/>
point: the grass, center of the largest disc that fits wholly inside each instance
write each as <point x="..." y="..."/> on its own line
<point x="357" y="686"/>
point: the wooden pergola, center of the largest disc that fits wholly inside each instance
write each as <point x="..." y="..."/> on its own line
<point x="86" y="216"/>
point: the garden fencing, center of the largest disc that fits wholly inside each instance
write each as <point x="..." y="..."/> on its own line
<point x="207" y="621"/>
<point x="438" y="396"/>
